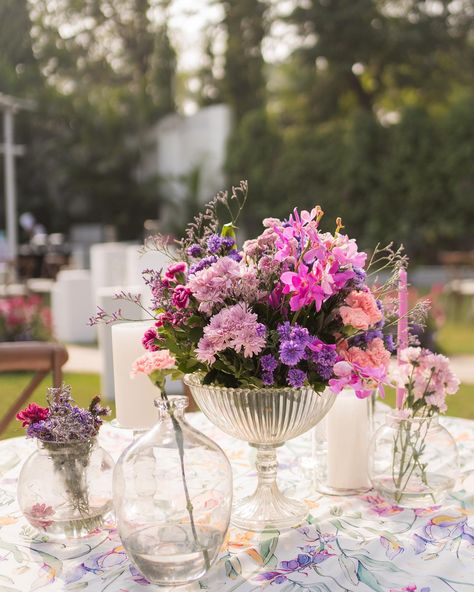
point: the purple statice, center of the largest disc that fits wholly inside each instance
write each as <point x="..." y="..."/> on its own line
<point x="206" y="262"/>
<point x="363" y="339"/>
<point x="227" y="242"/>
<point x="324" y="361"/>
<point x="296" y="377"/>
<point x="294" y="332"/>
<point x="235" y="255"/>
<point x="267" y="378"/>
<point x="360" y="277"/>
<point x="261" y="330"/>
<point x="268" y="363"/>
<point x="214" y="243"/>
<point x="194" y="250"/>
<point x="389" y="343"/>
<point x="291" y="352"/>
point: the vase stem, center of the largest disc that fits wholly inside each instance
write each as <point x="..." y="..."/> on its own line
<point x="266" y="465"/>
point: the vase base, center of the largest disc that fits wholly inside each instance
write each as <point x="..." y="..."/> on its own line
<point x="326" y="489"/>
<point x="268" y="510"/>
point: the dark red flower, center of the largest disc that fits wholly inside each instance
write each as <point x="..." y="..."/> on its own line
<point x="32" y="414"/>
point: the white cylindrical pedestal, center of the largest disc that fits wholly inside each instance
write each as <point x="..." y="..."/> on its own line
<point x="108" y="266"/>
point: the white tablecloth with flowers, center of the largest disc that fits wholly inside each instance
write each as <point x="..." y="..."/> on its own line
<point x="354" y="544"/>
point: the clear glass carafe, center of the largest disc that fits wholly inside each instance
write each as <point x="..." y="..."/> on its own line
<point x="173" y="498"/>
<point x="413" y="461"/>
<point x="65" y="488"/>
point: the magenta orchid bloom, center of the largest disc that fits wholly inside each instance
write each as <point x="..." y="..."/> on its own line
<point x="305" y="288"/>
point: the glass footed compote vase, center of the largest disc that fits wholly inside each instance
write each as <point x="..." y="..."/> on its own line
<point x="172" y="498"/>
<point x="265" y="418"/>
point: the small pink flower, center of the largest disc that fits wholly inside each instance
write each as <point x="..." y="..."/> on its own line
<point x="32" y="414"/>
<point x="38" y="515"/>
<point x="180" y="297"/>
<point x="153" y="361"/>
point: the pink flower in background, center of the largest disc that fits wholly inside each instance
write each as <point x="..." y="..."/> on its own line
<point x="32" y="414"/>
<point x="153" y="361"/>
<point x="360" y="310"/>
<point x="180" y="297"/>
<point x="39" y="514"/>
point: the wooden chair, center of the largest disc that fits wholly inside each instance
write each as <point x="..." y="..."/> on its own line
<point x="41" y="358"/>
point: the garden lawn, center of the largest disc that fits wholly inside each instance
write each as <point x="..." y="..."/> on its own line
<point x="84" y="387"/>
<point x="457" y="338"/>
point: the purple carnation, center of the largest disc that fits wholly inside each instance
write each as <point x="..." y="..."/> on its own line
<point x="194" y="250"/>
<point x="291" y="352"/>
<point x="206" y="262"/>
<point x="296" y="377"/>
<point x="214" y="243"/>
<point x="268" y="363"/>
<point x="267" y="378"/>
<point x="284" y="330"/>
<point x="301" y="334"/>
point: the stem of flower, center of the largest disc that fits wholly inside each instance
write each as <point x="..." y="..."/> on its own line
<point x="189" y="506"/>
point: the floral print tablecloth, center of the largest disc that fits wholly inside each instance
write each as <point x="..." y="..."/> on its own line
<point x="355" y="544"/>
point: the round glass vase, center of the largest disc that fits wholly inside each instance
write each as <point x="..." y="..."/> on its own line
<point x="173" y="498"/>
<point x="265" y="418"/>
<point x="65" y="488"/>
<point x="413" y="462"/>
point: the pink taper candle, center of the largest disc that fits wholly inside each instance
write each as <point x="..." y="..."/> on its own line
<point x="402" y="325"/>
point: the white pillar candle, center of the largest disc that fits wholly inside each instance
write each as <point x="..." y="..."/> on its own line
<point x="133" y="396"/>
<point x="348" y="434"/>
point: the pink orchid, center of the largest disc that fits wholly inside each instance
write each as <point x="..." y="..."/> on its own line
<point x="305" y="288"/>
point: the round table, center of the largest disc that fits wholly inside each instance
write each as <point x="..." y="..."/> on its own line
<point x="356" y="544"/>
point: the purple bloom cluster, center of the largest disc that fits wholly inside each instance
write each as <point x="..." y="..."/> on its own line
<point x="324" y="361"/>
<point x="215" y="243"/>
<point x="363" y="339"/>
<point x="67" y="422"/>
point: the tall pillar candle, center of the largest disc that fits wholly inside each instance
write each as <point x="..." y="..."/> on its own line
<point x="402" y="329"/>
<point x="348" y="436"/>
<point x="133" y="396"/>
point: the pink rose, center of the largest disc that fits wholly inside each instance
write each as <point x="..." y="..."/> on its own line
<point x="180" y="297"/>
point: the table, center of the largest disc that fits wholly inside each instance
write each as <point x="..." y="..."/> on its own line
<point x="355" y="544"/>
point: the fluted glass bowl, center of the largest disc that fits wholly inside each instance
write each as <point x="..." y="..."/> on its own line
<point x="265" y="418"/>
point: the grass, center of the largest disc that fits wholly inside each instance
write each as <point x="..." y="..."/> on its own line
<point x="457" y="338"/>
<point x="84" y="387"/>
<point x="459" y="405"/>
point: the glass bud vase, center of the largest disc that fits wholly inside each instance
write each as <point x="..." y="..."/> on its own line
<point x="413" y="462"/>
<point x="65" y="488"/>
<point x="173" y="498"/>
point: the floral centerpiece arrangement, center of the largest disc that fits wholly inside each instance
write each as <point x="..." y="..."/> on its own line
<point x="417" y="456"/>
<point x="65" y="487"/>
<point x="24" y="318"/>
<point x="291" y="307"/>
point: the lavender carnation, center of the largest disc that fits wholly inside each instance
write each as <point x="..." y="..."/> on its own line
<point x="291" y="352"/>
<point x="296" y="377"/>
<point x="235" y="255"/>
<point x="268" y="363"/>
<point x="284" y="330"/>
<point x="227" y="242"/>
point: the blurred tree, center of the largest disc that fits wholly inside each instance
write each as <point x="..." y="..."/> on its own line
<point x="244" y="81"/>
<point x="373" y="54"/>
